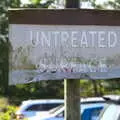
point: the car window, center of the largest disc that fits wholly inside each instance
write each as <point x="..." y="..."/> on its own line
<point x="61" y="115"/>
<point x="91" y="113"/>
<point x="41" y="107"/>
<point x="95" y="113"/>
<point x="52" y="111"/>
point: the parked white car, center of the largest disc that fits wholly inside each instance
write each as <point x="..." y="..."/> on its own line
<point x="32" y="108"/>
<point x="39" y="109"/>
<point x="90" y="109"/>
<point x="112" y="110"/>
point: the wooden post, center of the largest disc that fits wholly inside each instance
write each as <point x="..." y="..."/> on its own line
<point x="72" y="99"/>
<point x="72" y="87"/>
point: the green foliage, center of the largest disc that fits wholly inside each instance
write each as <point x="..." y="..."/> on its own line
<point x="113" y="4"/>
<point x="4" y="44"/>
<point x="3" y="20"/>
<point x="3" y="103"/>
<point x="8" y="113"/>
<point x="14" y="3"/>
<point x="38" y="4"/>
<point x="86" y="88"/>
<point x="38" y="90"/>
<point x="111" y="86"/>
<point x="4" y="47"/>
<point x="95" y="5"/>
<point x="35" y="1"/>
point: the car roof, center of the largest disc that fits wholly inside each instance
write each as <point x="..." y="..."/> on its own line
<point x="92" y="100"/>
<point x="89" y="99"/>
<point x="112" y="99"/>
<point x="43" y="101"/>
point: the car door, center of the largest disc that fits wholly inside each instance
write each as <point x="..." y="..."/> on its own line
<point x="59" y="116"/>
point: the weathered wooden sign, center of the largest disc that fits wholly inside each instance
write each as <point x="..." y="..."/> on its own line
<point x="58" y="44"/>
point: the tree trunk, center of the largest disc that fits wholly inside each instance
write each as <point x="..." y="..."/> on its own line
<point x="95" y="88"/>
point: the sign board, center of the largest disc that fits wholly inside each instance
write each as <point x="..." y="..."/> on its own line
<point x="59" y="44"/>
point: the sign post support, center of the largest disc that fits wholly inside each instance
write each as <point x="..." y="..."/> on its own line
<point x="72" y="87"/>
<point x="72" y="99"/>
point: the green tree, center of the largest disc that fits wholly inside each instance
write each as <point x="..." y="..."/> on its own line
<point x="38" y="4"/>
<point x="4" y="46"/>
<point x="113" y="4"/>
<point x="94" y="4"/>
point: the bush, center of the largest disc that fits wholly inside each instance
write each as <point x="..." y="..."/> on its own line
<point x="3" y="103"/>
<point x="8" y="113"/>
